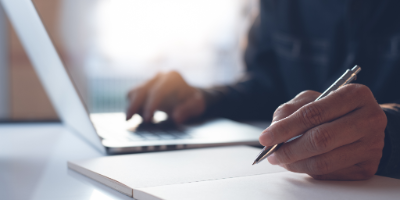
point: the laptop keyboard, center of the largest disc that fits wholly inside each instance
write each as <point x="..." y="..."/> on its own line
<point x="160" y="131"/>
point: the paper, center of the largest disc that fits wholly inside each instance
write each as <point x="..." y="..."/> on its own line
<point x="282" y="186"/>
<point x="221" y="173"/>
<point x="166" y="168"/>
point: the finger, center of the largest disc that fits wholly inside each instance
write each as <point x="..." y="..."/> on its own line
<point x="155" y="96"/>
<point x="324" y="138"/>
<point x="192" y="107"/>
<point x="337" y="104"/>
<point x="361" y="171"/>
<point x="337" y="159"/>
<point x="297" y="102"/>
<point x="137" y="96"/>
<point x="146" y="85"/>
<point x="135" y="103"/>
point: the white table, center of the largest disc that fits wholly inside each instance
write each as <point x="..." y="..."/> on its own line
<point x="33" y="165"/>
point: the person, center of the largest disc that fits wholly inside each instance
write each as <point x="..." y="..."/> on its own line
<point x="295" y="50"/>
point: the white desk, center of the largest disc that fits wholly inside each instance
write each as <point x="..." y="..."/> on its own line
<point x="33" y="165"/>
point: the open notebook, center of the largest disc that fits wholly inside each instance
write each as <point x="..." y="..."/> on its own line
<point x="220" y="173"/>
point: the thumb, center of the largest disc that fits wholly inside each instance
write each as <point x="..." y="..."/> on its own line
<point x="192" y="107"/>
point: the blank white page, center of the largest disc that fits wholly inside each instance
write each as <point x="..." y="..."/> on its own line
<point x="282" y="186"/>
<point x="174" y="167"/>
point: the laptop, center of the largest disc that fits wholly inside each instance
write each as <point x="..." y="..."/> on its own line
<point x="109" y="132"/>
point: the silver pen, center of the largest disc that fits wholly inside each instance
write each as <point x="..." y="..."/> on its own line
<point x="346" y="78"/>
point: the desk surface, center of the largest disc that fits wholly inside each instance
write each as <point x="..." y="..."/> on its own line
<point x="33" y="164"/>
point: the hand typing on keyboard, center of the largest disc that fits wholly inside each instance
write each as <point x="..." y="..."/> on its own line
<point x="167" y="92"/>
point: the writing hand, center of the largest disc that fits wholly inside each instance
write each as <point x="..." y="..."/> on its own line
<point x="343" y="134"/>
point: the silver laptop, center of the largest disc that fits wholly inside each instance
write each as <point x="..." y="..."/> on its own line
<point x="110" y="133"/>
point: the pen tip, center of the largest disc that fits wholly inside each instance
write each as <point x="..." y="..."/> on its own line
<point x="255" y="162"/>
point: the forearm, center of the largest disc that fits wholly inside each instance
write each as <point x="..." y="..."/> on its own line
<point x="247" y="99"/>
<point x="258" y="94"/>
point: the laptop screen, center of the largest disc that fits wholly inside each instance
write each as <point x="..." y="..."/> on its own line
<point x="50" y="69"/>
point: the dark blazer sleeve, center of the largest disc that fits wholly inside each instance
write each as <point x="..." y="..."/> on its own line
<point x="390" y="161"/>
<point x="257" y="94"/>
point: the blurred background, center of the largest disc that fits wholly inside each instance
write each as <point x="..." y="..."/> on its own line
<point x="111" y="46"/>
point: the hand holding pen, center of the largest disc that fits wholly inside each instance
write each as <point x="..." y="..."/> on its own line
<point x="342" y="134"/>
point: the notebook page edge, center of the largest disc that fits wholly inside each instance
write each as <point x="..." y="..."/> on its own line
<point x="120" y="187"/>
<point x="139" y="194"/>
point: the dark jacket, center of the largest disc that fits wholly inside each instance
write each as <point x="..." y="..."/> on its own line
<point x="297" y="45"/>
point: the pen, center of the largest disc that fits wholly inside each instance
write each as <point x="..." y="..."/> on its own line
<point x="346" y="78"/>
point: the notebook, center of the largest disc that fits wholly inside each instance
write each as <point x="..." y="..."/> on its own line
<point x="220" y="173"/>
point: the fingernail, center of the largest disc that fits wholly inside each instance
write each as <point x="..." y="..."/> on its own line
<point x="264" y="131"/>
<point x="265" y="138"/>
<point x="272" y="159"/>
